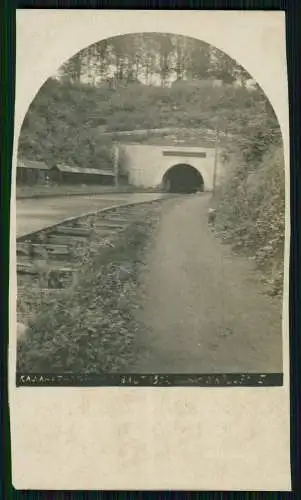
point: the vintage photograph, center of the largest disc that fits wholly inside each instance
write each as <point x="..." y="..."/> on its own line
<point x="150" y="200"/>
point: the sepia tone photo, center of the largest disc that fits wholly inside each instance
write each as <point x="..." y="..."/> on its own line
<point x="149" y="319"/>
<point x="150" y="199"/>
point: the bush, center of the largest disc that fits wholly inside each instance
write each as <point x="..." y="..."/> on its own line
<point x="250" y="213"/>
<point x="90" y="328"/>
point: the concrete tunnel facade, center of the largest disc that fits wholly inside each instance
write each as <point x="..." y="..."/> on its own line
<point x="149" y="166"/>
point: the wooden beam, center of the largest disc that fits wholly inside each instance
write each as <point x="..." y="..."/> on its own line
<point x="72" y="231"/>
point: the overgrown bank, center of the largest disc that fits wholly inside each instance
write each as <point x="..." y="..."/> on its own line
<point x="251" y="211"/>
<point x="91" y="328"/>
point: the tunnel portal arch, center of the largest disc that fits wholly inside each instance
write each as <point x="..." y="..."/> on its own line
<point x="182" y="178"/>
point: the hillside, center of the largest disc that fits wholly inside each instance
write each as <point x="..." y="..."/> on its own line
<point x="71" y="122"/>
<point x="75" y="122"/>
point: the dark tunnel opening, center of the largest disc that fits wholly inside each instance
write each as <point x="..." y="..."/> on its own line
<point x="183" y="178"/>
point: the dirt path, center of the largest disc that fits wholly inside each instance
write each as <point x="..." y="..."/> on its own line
<point x="203" y="308"/>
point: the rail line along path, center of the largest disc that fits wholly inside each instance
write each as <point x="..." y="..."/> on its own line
<point x="51" y="249"/>
<point x="35" y="215"/>
<point x="197" y="306"/>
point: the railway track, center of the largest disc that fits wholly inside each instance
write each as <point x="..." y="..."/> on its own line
<point x="50" y="260"/>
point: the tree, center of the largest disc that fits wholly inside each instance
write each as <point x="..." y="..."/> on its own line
<point x="102" y="60"/>
<point x="165" y="49"/>
<point x="222" y="67"/>
<point x="151" y="58"/>
<point x="198" y="60"/>
<point x="180" y="57"/>
<point x="71" y="70"/>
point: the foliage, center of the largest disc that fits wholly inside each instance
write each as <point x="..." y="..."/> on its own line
<point x="151" y="58"/>
<point x="65" y="122"/>
<point x="91" y="328"/>
<point x="139" y="81"/>
<point x="250" y="210"/>
<point x="57" y="129"/>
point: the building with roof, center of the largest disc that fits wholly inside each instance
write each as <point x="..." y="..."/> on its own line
<point x="32" y="172"/>
<point x="67" y="174"/>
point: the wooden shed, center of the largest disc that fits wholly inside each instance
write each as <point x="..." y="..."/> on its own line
<point x="66" y="174"/>
<point x="32" y="172"/>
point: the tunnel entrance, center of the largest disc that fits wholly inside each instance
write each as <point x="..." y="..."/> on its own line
<point x="183" y="178"/>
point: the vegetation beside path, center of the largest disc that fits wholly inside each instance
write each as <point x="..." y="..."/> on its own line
<point x="91" y="328"/>
<point x="251" y="210"/>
